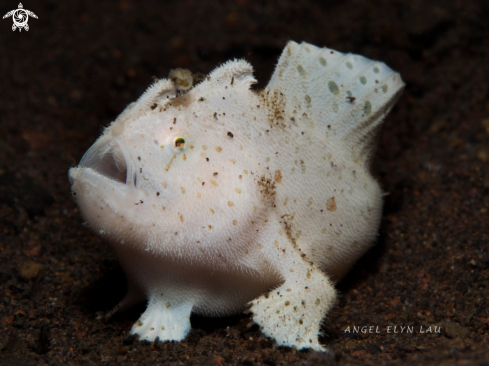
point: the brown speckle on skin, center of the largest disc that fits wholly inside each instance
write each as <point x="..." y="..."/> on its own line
<point x="168" y="166"/>
<point x="331" y="204"/>
<point x="267" y="189"/>
<point x="278" y="176"/>
<point x="275" y="107"/>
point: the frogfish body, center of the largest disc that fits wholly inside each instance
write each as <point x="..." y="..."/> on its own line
<point x="217" y="196"/>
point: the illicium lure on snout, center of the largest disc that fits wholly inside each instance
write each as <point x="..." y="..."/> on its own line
<point x="216" y="196"/>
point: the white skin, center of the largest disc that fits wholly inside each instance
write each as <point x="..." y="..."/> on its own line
<point x="222" y="196"/>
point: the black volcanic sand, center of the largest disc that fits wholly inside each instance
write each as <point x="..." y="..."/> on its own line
<point x="81" y="63"/>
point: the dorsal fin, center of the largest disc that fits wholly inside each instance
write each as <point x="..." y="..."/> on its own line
<point x="235" y="72"/>
<point x="344" y="96"/>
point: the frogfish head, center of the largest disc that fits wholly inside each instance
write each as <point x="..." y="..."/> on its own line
<point x="167" y="179"/>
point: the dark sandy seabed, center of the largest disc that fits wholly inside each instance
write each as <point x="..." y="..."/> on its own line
<point x="81" y="63"/>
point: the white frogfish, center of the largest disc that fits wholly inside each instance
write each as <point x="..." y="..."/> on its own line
<point x="216" y="196"/>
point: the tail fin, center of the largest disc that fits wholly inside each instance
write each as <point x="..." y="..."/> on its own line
<point x="343" y="96"/>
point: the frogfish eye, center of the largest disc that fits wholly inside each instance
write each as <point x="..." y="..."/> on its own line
<point x="179" y="142"/>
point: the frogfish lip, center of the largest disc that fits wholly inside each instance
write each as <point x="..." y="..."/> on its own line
<point x="106" y="170"/>
<point x="108" y="157"/>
